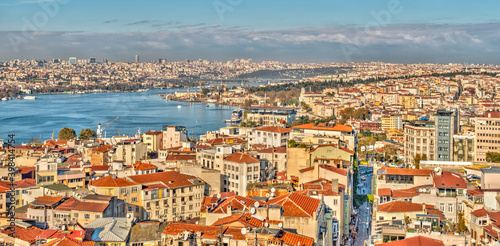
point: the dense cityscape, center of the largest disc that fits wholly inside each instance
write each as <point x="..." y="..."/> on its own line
<point x="249" y="123"/>
<point x="371" y="153"/>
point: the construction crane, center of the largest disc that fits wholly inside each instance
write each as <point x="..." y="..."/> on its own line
<point x="101" y="129"/>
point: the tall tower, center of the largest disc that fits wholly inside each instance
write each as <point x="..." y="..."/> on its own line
<point x="136" y="58"/>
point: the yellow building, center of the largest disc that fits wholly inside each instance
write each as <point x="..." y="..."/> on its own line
<point x="153" y="140"/>
<point x="122" y="189"/>
<point x="392" y="122"/>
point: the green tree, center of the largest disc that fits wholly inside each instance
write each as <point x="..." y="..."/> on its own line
<point x="66" y="134"/>
<point x="493" y="157"/>
<point x="87" y="134"/>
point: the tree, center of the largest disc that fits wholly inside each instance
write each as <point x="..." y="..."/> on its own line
<point x="493" y="157"/>
<point x="66" y="134"/>
<point x="247" y="103"/>
<point x="416" y="159"/>
<point x="461" y="222"/>
<point x="87" y="134"/>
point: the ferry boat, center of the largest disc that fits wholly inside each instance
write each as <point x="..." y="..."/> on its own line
<point x="236" y="117"/>
<point x="179" y="106"/>
<point x="29" y="98"/>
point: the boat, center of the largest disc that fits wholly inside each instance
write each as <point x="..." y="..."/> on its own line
<point x="206" y="106"/>
<point x="179" y="106"/>
<point x="236" y="117"/>
<point x="29" y="97"/>
<point x="4" y="99"/>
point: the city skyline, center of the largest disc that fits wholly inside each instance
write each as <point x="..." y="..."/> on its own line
<point x="387" y="31"/>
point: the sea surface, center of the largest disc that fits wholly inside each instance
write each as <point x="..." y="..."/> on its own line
<point x="48" y="114"/>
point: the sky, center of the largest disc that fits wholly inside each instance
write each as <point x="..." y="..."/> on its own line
<point x="400" y="31"/>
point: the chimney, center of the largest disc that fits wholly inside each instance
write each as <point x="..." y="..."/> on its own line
<point x="335" y="185"/>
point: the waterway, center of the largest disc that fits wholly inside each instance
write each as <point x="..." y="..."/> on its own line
<point x="136" y="110"/>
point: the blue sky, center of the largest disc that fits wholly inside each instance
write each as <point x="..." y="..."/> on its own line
<point x="291" y="31"/>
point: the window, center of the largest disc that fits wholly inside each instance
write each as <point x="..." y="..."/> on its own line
<point x="76" y="215"/>
<point x="134" y="199"/>
<point x="441" y="207"/>
<point x="450" y="208"/>
<point x="87" y="216"/>
<point x="335" y="202"/>
<point x="134" y="189"/>
<point x="97" y="216"/>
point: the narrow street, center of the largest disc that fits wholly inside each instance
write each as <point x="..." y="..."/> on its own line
<point x="364" y="211"/>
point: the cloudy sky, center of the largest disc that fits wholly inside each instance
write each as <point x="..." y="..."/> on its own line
<point x="408" y="31"/>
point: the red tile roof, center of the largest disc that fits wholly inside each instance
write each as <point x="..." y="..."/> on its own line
<point x="415" y="241"/>
<point x="307" y="169"/>
<point x="235" y="202"/>
<point x="408" y="172"/>
<point x="25" y="234"/>
<point x="449" y="180"/>
<point x="109" y="181"/>
<point x="384" y="192"/>
<point x="476" y="192"/>
<point x="244" y="220"/>
<point x="324" y="127"/>
<point x="171" y="179"/>
<point x="181" y="157"/>
<point x="102" y="149"/>
<point x="400" y="206"/>
<point x="25" y="183"/>
<point x="74" y="204"/>
<point x="333" y="169"/>
<point x="64" y="241"/>
<point x="272" y="150"/>
<point x="274" y="129"/>
<point x="293" y="239"/>
<point x="239" y="157"/>
<point x="296" y="205"/>
<point x="100" y="168"/>
<point x="47" y="200"/>
<point x="144" y="166"/>
<point x="479" y="213"/>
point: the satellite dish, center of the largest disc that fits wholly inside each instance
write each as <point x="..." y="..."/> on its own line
<point x="266" y="225"/>
<point x="253" y="211"/>
<point x="273" y="190"/>
<point x="256" y="204"/>
<point x="196" y="223"/>
<point x="280" y="225"/>
<point x="272" y="194"/>
<point x="243" y="230"/>
<point x="218" y="196"/>
<point x="185" y="235"/>
<point x="267" y="195"/>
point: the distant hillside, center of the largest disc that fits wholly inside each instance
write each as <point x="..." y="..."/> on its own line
<point x="293" y="73"/>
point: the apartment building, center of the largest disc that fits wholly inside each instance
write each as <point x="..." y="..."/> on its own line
<point x="152" y="139"/>
<point x="269" y="137"/>
<point x="173" y="136"/>
<point x="171" y="196"/>
<point x="240" y="169"/>
<point x="447" y="124"/>
<point x="487" y="133"/>
<point x="122" y="189"/>
<point x="419" y="139"/>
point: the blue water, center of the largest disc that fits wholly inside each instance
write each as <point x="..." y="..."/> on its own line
<point x="144" y="110"/>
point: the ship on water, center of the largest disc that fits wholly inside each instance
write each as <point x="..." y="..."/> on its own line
<point x="29" y="97"/>
<point x="236" y="117"/>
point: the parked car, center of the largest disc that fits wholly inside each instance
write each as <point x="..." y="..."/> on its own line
<point x="472" y="177"/>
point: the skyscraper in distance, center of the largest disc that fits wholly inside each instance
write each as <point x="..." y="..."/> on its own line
<point x="136" y="58"/>
<point x="92" y="60"/>
<point x="72" y="60"/>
